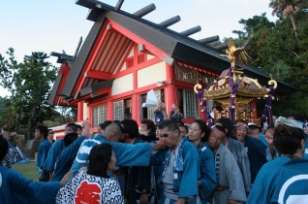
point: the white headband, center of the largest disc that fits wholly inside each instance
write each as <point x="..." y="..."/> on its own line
<point x="289" y="122"/>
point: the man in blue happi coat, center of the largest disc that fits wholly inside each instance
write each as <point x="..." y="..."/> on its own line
<point x="67" y="157"/>
<point x="284" y="180"/>
<point x="256" y="150"/>
<point x="41" y="133"/>
<point x="14" y="188"/>
<point x="177" y="167"/>
<point x="57" y="150"/>
<point x="127" y="154"/>
<point x="198" y="135"/>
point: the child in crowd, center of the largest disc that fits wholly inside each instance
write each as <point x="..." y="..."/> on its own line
<point x="94" y="184"/>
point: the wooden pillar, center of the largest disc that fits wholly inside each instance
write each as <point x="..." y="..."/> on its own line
<point x="253" y="116"/>
<point x="170" y="89"/>
<point x="90" y="112"/>
<point x="109" y="110"/>
<point x="170" y="97"/>
<point x="80" y="111"/>
<point x="136" y="106"/>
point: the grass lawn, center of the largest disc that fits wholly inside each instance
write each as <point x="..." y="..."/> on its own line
<point x="28" y="170"/>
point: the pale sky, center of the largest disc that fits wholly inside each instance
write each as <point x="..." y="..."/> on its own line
<point x="56" y="25"/>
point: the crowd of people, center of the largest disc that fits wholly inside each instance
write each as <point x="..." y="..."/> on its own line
<point x="165" y="163"/>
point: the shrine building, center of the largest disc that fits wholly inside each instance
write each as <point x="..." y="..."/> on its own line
<point x="124" y="56"/>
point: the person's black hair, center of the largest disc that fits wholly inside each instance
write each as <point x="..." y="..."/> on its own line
<point x="186" y="128"/>
<point x="70" y="138"/>
<point x="99" y="158"/>
<point x="4" y="147"/>
<point x="220" y="127"/>
<point x="204" y="129"/>
<point x="152" y="130"/>
<point x="78" y="127"/>
<point x="72" y="126"/>
<point x="253" y="127"/>
<point x="181" y="124"/>
<point x="150" y="125"/>
<point x="130" y="127"/>
<point x="170" y="125"/>
<point x="119" y="123"/>
<point x="159" y="126"/>
<point x="104" y="124"/>
<point x="43" y="130"/>
<point x="227" y="125"/>
<point x="288" y="140"/>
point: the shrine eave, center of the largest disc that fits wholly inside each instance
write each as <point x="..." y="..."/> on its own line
<point x="177" y="45"/>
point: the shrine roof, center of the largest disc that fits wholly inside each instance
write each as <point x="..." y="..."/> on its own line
<point x="66" y="61"/>
<point x="178" y="46"/>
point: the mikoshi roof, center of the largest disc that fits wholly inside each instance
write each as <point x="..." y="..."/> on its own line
<point x="247" y="90"/>
<point x="178" y="46"/>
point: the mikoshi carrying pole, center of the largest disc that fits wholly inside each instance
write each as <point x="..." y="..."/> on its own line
<point x="267" y="113"/>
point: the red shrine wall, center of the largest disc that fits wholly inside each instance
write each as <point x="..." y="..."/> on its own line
<point x="173" y="84"/>
<point x="143" y="70"/>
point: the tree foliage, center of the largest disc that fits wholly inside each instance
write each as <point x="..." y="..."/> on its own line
<point x="29" y="83"/>
<point x="274" y="48"/>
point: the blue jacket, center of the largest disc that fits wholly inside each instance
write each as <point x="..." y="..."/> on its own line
<point x="42" y="153"/>
<point x="262" y="188"/>
<point x="186" y="178"/>
<point x="14" y="188"/>
<point x="256" y="154"/>
<point x="207" y="181"/>
<point x="66" y="159"/>
<point x="53" y="155"/>
<point x="285" y="183"/>
<point x="291" y="183"/>
<point x="126" y="154"/>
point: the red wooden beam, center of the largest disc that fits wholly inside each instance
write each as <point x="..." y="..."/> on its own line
<point x="138" y="40"/>
<point x="137" y="67"/>
<point x="182" y="84"/>
<point x="170" y="89"/>
<point x="103" y="91"/>
<point x="64" y="70"/>
<point x="99" y="75"/>
<point x="98" y="43"/>
<point x="109" y="110"/>
<point x="199" y="69"/>
<point x="80" y="111"/>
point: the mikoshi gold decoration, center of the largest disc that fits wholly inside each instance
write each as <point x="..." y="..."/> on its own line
<point x="270" y="96"/>
<point x="233" y="89"/>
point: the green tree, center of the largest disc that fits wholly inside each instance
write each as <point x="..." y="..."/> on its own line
<point x="273" y="48"/>
<point x="287" y="9"/>
<point x="29" y="83"/>
<point x="6" y="111"/>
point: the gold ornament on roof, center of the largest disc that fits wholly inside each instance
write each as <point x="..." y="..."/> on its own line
<point x="236" y="55"/>
<point x="235" y="91"/>
<point x="248" y="88"/>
